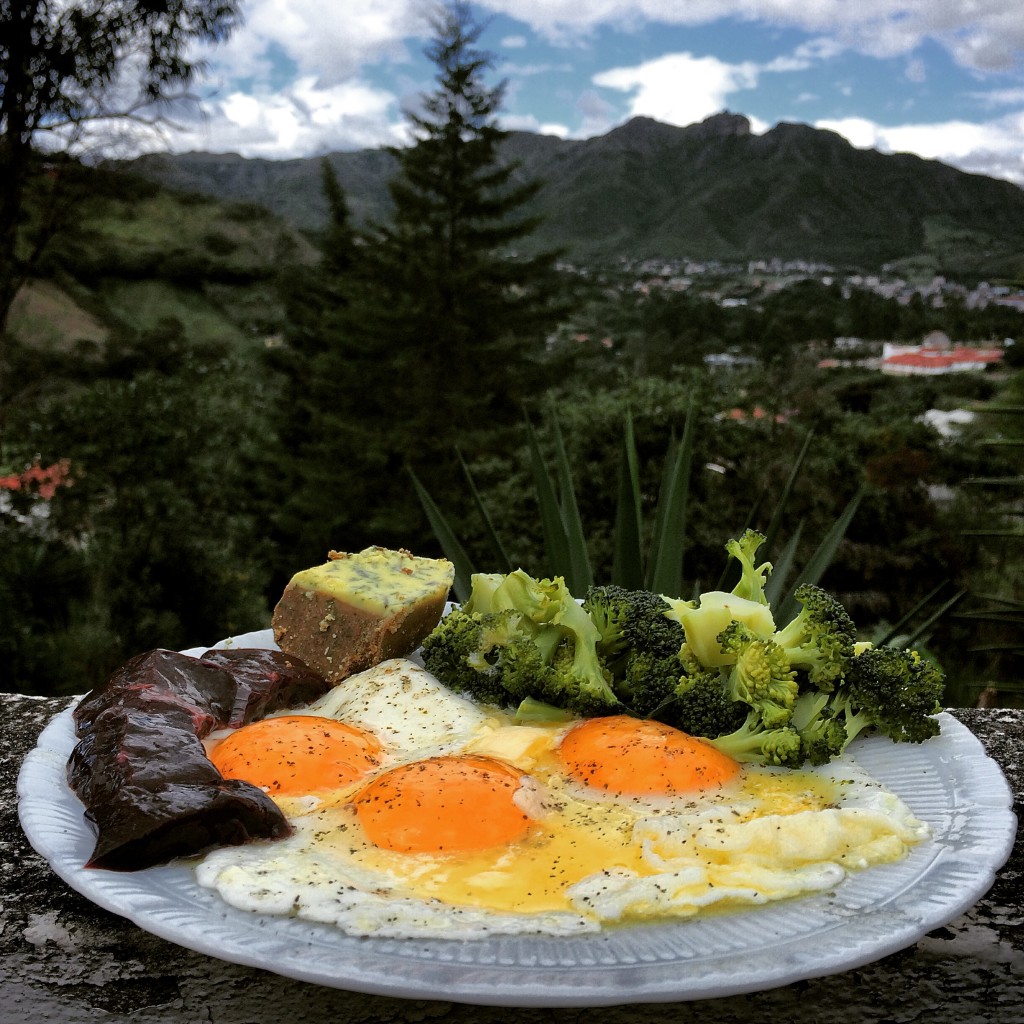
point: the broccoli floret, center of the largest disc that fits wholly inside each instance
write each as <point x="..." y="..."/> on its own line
<point x="700" y="706"/>
<point x="577" y="681"/>
<point x="745" y="603"/>
<point x="649" y="628"/>
<point x="638" y="644"/>
<point x="893" y="691"/>
<point x="760" y="675"/>
<point x="648" y="682"/>
<point x="521" y="666"/>
<point x="820" y="638"/>
<point x="459" y="652"/>
<point x="608" y="608"/>
<point x="753" y="577"/>
<point x="481" y="596"/>
<point x="518" y="637"/>
<point x="822" y="735"/>
<point x="563" y="681"/>
<point x="753" y="743"/>
<point x="632" y="622"/>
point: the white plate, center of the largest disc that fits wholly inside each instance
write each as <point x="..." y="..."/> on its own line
<point x="949" y="782"/>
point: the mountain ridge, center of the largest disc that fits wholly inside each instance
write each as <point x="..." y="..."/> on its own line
<point x="710" y="190"/>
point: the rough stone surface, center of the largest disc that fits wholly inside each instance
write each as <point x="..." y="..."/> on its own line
<point x="65" y="961"/>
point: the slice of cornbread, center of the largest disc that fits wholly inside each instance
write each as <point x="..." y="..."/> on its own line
<point x="357" y="610"/>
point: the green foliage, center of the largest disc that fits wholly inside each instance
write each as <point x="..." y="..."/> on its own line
<point x="153" y="541"/>
<point x="61" y="70"/>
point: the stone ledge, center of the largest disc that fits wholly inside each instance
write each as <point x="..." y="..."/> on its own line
<point x="67" y="961"/>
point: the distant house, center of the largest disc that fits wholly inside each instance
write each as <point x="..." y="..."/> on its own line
<point x="937" y="355"/>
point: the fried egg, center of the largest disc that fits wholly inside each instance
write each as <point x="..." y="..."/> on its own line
<point x="417" y="813"/>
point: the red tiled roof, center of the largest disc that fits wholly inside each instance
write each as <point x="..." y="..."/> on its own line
<point x="934" y="358"/>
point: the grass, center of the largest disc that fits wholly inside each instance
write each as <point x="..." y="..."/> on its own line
<point x="144" y="304"/>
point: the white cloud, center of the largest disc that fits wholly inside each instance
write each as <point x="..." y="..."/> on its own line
<point x="303" y="119"/>
<point x="981" y="34"/>
<point x="529" y="123"/>
<point x="679" y="88"/>
<point x="1002" y="97"/>
<point x="994" y="147"/>
<point x="332" y="41"/>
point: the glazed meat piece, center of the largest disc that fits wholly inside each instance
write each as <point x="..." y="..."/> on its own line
<point x="154" y="795"/>
<point x="140" y="766"/>
<point x="266" y="681"/>
<point x="169" y="678"/>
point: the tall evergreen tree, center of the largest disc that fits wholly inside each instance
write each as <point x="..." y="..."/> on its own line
<point x="460" y="313"/>
<point x="437" y="342"/>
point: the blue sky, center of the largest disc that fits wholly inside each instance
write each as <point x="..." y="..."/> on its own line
<point x="941" y="78"/>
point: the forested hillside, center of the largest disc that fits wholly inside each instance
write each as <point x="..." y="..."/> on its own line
<point x="198" y="400"/>
<point x="708" y="191"/>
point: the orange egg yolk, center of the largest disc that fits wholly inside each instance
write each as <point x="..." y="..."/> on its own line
<point x="443" y="805"/>
<point x="297" y="754"/>
<point x="639" y="757"/>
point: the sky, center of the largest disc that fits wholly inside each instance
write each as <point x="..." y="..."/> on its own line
<point x="940" y="78"/>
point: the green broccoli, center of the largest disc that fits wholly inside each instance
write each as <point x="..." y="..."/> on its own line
<point x="524" y="638"/>
<point x="893" y="691"/>
<point x="632" y="621"/>
<point x="459" y="652"/>
<point x="608" y="608"/>
<point x="753" y="743"/>
<point x="578" y="681"/>
<point x="639" y="644"/>
<point x="760" y="675"/>
<point x="752" y="577"/>
<point x="746" y="603"/>
<point x="536" y="600"/>
<point x="822" y="735"/>
<point x="820" y="638"/>
<point x="648" y="682"/>
<point x="701" y="706"/>
<point x="718" y="668"/>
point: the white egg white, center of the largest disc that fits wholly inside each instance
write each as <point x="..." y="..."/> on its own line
<point x="406" y="708"/>
<point x="772" y="835"/>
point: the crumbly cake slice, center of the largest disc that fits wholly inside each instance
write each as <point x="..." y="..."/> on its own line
<point x="359" y="609"/>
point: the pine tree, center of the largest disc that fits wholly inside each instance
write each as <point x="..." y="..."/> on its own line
<point x="437" y="341"/>
<point x="461" y="314"/>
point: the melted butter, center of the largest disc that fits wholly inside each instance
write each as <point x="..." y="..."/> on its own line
<point x="378" y="580"/>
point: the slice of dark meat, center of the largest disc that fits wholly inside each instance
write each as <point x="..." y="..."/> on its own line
<point x="166" y="677"/>
<point x="139" y="830"/>
<point x="266" y="681"/>
<point x="140" y="766"/>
